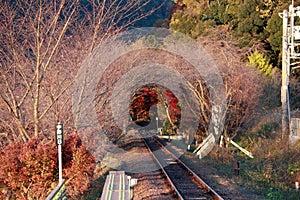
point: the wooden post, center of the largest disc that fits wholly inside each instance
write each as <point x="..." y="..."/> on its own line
<point x="236" y="167"/>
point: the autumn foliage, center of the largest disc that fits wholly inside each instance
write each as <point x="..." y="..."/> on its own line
<point x="30" y="170"/>
<point x="173" y="105"/>
<point x="148" y="96"/>
<point x="141" y="103"/>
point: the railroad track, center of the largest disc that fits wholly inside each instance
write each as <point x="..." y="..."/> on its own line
<point x="186" y="183"/>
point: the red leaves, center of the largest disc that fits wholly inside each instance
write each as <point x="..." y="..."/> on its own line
<point x="30" y="169"/>
<point x="143" y="99"/>
<point x="23" y="167"/>
<point x="79" y="165"/>
<point x="173" y="105"/>
<point x="148" y="96"/>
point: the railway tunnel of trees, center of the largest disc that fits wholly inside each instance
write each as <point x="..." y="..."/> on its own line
<point x="152" y="102"/>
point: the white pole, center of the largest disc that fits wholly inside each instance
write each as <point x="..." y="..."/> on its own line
<point x="129" y="187"/>
<point x="59" y="142"/>
<point x="221" y="141"/>
<point x="200" y="156"/>
<point x="59" y="165"/>
<point x="156" y="124"/>
<point x="241" y="149"/>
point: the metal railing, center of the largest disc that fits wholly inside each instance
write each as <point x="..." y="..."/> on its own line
<point x="59" y="192"/>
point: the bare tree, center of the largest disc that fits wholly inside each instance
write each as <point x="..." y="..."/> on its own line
<point x="31" y="36"/>
<point x="42" y="45"/>
<point x="243" y="86"/>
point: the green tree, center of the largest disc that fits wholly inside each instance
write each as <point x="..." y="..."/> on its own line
<point x="186" y="23"/>
<point x="247" y="18"/>
<point x="250" y="23"/>
<point x="197" y="15"/>
<point x="274" y="28"/>
<point x="218" y="12"/>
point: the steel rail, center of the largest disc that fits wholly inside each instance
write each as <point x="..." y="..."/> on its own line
<point x="200" y="180"/>
<point x="164" y="171"/>
<point x="195" y="177"/>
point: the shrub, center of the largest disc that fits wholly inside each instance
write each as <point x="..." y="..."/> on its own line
<point x="261" y="62"/>
<point x="29" y="170"/>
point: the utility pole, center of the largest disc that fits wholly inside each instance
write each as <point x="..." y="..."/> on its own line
<point x="285" y="75"/>
<point x="290" y="60"/>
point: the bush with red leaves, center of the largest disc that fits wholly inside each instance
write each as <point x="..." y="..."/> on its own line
<point x="30" y="171"/>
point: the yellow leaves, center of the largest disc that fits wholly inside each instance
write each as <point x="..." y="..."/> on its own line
<point x="261" y="62"/>
<point x="175" y="21"/>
